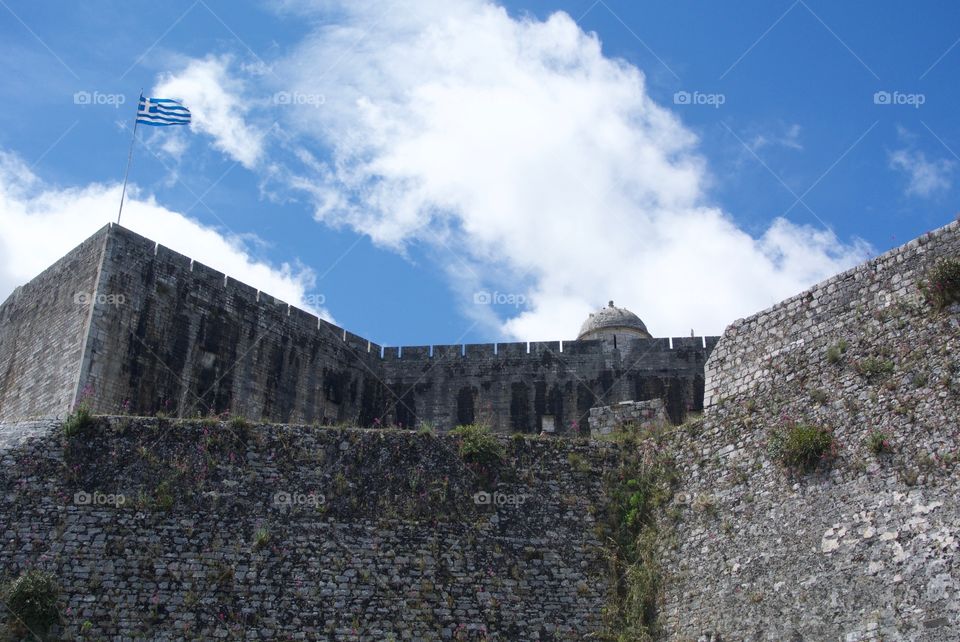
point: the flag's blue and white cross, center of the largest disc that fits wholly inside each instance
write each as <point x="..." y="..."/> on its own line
<point x="162" y="111"/>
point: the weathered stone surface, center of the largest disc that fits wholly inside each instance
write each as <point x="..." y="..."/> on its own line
<point x="867" y="548"/>
<point x="605" y="420"/>
<point x="162" y="333"/>
<point x="42" y="332"/>
<point x="385" y="539"/>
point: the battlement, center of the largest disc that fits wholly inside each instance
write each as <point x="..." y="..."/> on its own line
<point x="187" y="339"/>
<point x="522" y="349"/>
<point x="201" y="277"/>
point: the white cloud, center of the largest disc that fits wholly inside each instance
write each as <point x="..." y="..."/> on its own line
<point x="789" y="138"/>
<point x="925" y="178"/>
<point x="542" y="164"/>
<point x="41" y="223"/>
<point x="217" y="106"/>
<point x="519" y="146"/>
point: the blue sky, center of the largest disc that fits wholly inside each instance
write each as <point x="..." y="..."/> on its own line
<point x="390" y="164"/>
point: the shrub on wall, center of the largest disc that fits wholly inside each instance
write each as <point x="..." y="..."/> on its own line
<point x="803" y="447"/>
<point x="878" y="442"/>
<point x="32" y="601"/>
<point x="78" y="420"/>
<point x="874" y="367"/>
<point x="942" y="286"/>
<point x="638" y="489"/>
<point x="478" y="445"/>
<point x="836" y="351"/>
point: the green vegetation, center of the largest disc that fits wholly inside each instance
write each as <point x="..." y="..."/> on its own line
<point x="819" y="396"/>
<point x="260" y="539"/>
<point x="878" y="442"/>
<point x="942" y="286"/>
<point x="638" y="489"/>
<point x="579" y="463"/>
<point x="223" y="574"/>
<point x="78" y="421"/>
<point x="836" y="351"/>
<point x="163" y="496"/>
<point x="478" y="445"/>
<point x="32" y="600"/>
<point x="631" y="433"/>
<point x="874" y="367"/>
<point x="240" y="424"/>
<point x="803" y="447"/>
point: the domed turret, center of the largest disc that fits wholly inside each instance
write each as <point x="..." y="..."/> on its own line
<point x="610" y="322"/>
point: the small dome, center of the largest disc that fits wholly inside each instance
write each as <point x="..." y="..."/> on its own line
<point x="612" y="320"/>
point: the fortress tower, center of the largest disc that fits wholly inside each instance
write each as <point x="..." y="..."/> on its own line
<point x="127" y="325"/>
<point x="611" y="321"/>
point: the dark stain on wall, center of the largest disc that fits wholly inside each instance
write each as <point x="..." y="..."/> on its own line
<point x="466" y="413"/>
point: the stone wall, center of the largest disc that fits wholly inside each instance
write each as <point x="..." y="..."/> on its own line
<point x="171" y="335"/>
<point x="42" y="331"/>
<point x="751" y="348"/>
<point x="544" y="385"/>
<point x="282" y="532"/>
<point x="864" y="548"/>
<point x="189" y="341"/>
<point x="605" y="420"/>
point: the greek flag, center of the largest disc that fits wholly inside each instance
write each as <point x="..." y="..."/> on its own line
<point x="162" y="111"/>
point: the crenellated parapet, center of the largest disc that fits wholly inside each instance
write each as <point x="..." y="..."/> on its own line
<point x="157" y="332"/>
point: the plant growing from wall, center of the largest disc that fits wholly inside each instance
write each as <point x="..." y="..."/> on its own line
<point x="477" y="445"/>
<point x="579" y="463"/>
<point x="803" y="447"/>
<point x="836" y="351"/>
<point x="878" y="442"/>
<point x="942" y="285"/>
<point x="874" y="367"/>
<point x="32" y="603"/>
<point x="79" y="420"/>
<point x="637" y="489"/>
<point x="261" y="538"/>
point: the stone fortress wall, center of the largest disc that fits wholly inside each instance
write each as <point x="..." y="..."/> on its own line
<point x="42" y="330"/>
<point x="866" y="549"/>
<point x="549" y="388"/>
<point x="177" y="530"/>
<point x="171" y="335"/>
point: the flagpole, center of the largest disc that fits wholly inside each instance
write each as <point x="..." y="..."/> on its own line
<point x="133" y="139"/>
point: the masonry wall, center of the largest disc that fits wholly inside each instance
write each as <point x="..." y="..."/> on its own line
<point x="544" y="386"/>
<point x="631" y="415"/>
<point x="42" y="330"/>
<point x="171" y="335"/>
<point x="189" y="341"/>
<point x="364" y="534"/>
<point x="864" y="549"/>
<point x="163" y="333"/>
